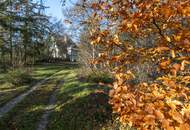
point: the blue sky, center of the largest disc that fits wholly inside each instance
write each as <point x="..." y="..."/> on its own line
<point x="55" y="8"/>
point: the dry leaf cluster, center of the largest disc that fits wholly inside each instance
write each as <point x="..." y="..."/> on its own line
<point x="165" y="101"/>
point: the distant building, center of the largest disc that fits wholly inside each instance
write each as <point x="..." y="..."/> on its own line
<point x="64" y="48"/>
<point x="73" y="53"/>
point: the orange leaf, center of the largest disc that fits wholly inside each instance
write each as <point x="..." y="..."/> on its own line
<point x="170" y="128"/>
<point x="176" y="116"/>
<point x="184" y="126"/>
<point x="149" y="119"/>
<point x="165" y="64"/>
<point x="159" y="114"/>
<point x="165" y="123"/>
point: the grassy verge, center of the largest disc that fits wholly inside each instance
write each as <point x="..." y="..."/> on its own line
<point x="27" y="114"/>
<point x="80" y="106"/>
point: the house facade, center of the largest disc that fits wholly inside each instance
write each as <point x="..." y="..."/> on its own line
<point x="64" y="48"/>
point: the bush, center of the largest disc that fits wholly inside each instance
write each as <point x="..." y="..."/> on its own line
<point x="18" y="77"/>
<point x="100" y="77"/>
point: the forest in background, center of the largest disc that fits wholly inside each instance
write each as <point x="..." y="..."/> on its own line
<point x="27" y="34"/>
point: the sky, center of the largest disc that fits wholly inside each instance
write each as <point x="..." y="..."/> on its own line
<point x="55" y="8"/>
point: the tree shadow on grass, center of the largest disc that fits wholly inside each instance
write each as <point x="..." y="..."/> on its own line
<point x="26" y="114"/>
<point x="88" y="112"/>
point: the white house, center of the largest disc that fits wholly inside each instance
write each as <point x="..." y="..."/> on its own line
<point x="64" y="48"/>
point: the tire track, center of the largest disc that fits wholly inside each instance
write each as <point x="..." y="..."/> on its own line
<point x="49" y="109"/>
<point x="12" y="103"/>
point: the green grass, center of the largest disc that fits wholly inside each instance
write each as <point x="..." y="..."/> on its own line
<point x="6" y="95"/>
<point x="42" y="71"/>
<point x="26" y="115"/>
<point x="39" y="72"/>
<point x="81" y="105"/>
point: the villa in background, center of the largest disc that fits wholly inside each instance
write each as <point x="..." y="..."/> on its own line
<point x="64" y="48"/>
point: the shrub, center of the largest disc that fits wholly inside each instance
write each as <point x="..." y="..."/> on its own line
<point x="100" y="77"/>
<point x="18" y="77"/>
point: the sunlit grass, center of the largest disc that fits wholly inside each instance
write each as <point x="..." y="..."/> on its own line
<point x="80" y="105"/>
<point x="26" y="115"/>
<point x="39" y="72"/>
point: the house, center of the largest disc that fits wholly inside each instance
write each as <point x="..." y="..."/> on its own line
<point x="64" y="48"/>
<point x="72" y="53"/>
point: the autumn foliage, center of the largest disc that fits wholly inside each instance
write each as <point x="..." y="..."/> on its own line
<point x="164" y="27"/>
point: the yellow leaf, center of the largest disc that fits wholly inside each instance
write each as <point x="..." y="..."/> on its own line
<point x="173" y="53"/>
<point x="111" y="9"/>
<point x="135" y="27"/>
<point x="98" y="39"/>
<point x="116" y="39"/>
<point x="177" y="38"/>
<point x="171" y="105"/>
<point x="168" y="38"/>
<point x="183" y="63"/>
<point x="92" y="42"/>
<point x="160" y="49"/>
<point x="129" y="25"/>
<point x="164" y="26"/>
<point x="165" y="64"/>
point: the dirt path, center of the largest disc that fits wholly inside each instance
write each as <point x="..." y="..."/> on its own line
<point x="11" y="104"/>
<point x="50" y="108"/>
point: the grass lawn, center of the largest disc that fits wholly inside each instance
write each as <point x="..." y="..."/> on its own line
<point x="27" y="114"/>
<point x="42" y="71"/>
<point x="80" y="105"/>
<point x="39" y="72"/>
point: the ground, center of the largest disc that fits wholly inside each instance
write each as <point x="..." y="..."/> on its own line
<point x="78" y="105"/>
<point x="39" y="72"/>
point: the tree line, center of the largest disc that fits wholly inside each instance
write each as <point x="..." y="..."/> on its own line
<point x="26" y="32"/>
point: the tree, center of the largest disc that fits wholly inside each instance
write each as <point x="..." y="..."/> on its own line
<point x="162" y="102"/>
<point x="80" y="17"/>
<point x="24" y="31"/>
